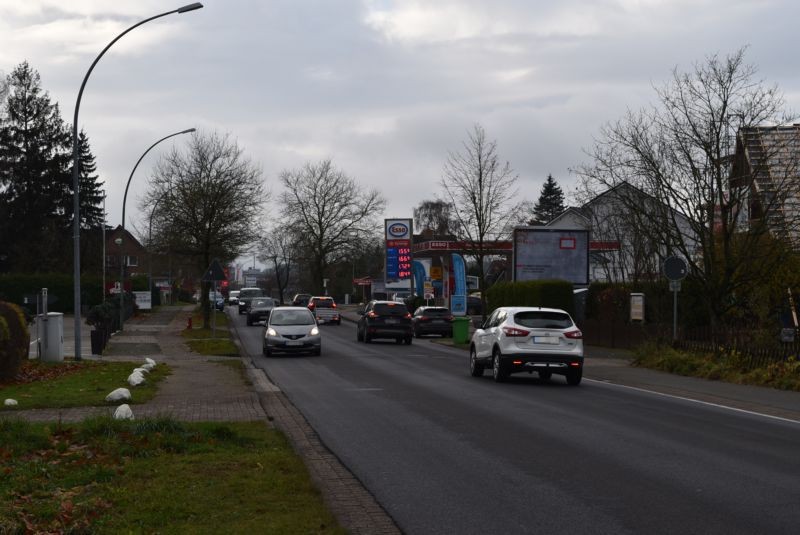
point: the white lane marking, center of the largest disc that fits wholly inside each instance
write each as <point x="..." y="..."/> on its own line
<point x="745" y="411"/>
<point x="364" y="389"/>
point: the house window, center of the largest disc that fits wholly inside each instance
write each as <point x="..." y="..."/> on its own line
<point x="132" y="261"/>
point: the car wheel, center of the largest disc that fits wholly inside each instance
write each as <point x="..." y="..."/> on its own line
<point x="359" y="335"/>
<point x="249" y="321"/>
<point x="498" y="372"/>
<point x="417" y="334"/>
<point x="339" y="321"/>
<point x="545" y="375"/>
<point x="398" y="340"/>
<point x="475" y="367"/>
<point x="574" y="377"/>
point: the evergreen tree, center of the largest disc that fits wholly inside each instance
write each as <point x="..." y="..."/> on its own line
<point x="34" y="177"/>
<point x="91" y="192"/>
<point x="550" y="203"/>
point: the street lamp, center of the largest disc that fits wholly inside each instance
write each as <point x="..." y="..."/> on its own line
<point x="125" y="199"/>
<point x="150" y="242"/>
<point x="76" y="223"/>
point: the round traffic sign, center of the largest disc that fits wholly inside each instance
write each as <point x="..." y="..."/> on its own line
<point x="675" y="268"/>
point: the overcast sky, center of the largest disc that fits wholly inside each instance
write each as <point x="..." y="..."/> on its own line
<point x="383" y="87"/>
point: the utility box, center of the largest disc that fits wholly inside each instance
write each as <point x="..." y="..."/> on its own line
<point x="51" y="336"/>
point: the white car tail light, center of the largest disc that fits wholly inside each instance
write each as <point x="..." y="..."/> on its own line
<point x="513" y="331"/>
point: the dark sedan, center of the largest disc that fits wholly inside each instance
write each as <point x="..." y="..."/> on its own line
<point x="384" y="319"/>
<point x="432" y="320"/>
<point x="259" y="309"/>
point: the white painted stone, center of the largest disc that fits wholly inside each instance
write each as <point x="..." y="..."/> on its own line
<point x="120" y="394"/>
<point x="10" y="402"/>
<point x="147" y="366"/>
<point x="136" y="379"/>
<point x="150" y="361"/>
<point x="143" y="371"/>
<point x="123" y="412"/>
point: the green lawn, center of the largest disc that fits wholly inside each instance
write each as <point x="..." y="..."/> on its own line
<point x="79" y="384"/>
<point x="154" y="476"/>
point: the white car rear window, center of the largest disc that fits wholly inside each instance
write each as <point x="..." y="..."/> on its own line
<point x="538" y="319"/>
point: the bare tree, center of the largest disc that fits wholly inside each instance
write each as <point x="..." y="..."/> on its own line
<point x="210" y="201"/>
<point x="328" y="212"/>
<point x="276" y="249"/>
<point x="481" y="190"/>
<point x="434" y="215"/>
<point x="680" y="152"/>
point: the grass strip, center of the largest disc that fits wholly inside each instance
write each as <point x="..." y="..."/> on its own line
<point x="726" y="365"/>
<point x="80" y="384"/>
<point x="155" y="476"/>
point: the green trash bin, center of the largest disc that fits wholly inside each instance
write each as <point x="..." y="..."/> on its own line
<point x="461" y="330"/>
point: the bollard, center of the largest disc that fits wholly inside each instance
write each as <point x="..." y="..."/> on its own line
<point x="189" y="323"/>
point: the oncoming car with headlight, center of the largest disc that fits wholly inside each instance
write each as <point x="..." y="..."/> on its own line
<point x="291" y="330"/>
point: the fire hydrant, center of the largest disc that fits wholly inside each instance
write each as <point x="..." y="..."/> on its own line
<point x="189" y="323"/>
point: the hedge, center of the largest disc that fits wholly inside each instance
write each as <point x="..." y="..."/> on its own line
<point x="540" y="293"/>
<point x="14" y="340"/>
<point x="15" y="287"/>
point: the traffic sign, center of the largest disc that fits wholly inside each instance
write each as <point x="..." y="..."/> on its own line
<point x="675" y="268"/>
<point x="214" y="273"/>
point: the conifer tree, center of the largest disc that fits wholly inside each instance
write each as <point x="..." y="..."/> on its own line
<point x="34" y="176"/>
<point x="550" y="203"/>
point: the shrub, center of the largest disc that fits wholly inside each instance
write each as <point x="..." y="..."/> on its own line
<point x="14" y="339"/>
<point x="541" y="293"/>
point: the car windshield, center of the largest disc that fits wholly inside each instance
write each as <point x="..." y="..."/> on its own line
<point x="436" y="312"/>
<point x="539" y="319"/>
<point x="262" y="302"/>
<point x="323" y="303"/>
<point x="291" y="317"/>
<point x="390" y="309"/>
<point x="251" y="293"/>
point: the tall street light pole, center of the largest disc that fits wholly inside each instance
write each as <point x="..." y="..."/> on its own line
<point x="124" y="200"/>
<point x="76" y="224"/>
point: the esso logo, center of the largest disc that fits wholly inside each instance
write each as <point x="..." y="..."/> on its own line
<point x="398" y="229"/>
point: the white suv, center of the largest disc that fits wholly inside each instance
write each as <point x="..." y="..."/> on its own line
<point x="528" y="339"/>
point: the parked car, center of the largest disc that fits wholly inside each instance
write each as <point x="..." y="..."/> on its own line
<point x="217" y="298"/>
<point x="291" y="330"/>
<point x="245" y="295"/>
<point x="324" y="309"/>
<point x="528" y="339"/>
<point x="259" y="309"/>
<point x="474" y="306"/>
<point x="384" y="319"/>
<point x="432" y="320"/>
<point x="301" y="300"/>
<point x="233" y="297"/>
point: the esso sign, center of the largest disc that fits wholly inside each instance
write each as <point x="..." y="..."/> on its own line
<point x="398" y="230"/>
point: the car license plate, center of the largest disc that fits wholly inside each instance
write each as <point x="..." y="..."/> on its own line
<point x="390" y="320"/>
<point x="293" y="343"/>
<point x="438" y="321"/>
<point x="545" y="339"/>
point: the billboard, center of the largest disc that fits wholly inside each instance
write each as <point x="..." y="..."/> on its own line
<point x="398" y="250"/>
<point x="544" y="253"/>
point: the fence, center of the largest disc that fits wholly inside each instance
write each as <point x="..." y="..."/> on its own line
<point x="754" y="349"/>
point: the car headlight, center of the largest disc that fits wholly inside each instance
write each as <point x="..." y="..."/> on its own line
<point x="272" y="332"/>
<point x="314" y="331"/>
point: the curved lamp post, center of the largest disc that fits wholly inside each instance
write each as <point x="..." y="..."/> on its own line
<point x="124" y="200"/>
<point x="76" y="224"/>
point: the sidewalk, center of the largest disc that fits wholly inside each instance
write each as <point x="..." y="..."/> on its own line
<point x="612" y="366"/>
<point x="196" y="390"/>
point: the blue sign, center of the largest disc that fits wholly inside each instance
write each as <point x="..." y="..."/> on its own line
<point x="458" y="305"/>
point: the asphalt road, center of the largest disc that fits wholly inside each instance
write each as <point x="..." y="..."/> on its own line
<point x="447" y="453"/>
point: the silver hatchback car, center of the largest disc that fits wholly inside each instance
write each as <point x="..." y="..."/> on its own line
<point x="291" y="330"/>
<point x="528" y="339"/>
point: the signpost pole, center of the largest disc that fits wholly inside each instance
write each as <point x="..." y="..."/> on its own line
<point x="674" y="314"/>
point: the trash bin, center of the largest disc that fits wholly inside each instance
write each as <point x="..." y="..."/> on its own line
<point x="51" y="336"/>
<point x="461" y="330"/>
